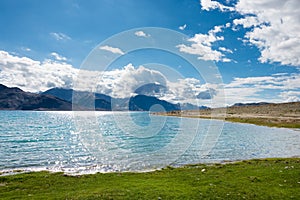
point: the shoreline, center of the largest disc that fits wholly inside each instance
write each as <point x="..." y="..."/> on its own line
<point x="89" y="171"/>
<point x="281" y="115"/>
<point x="267" y="178"/>
<point x="269" y="122"/>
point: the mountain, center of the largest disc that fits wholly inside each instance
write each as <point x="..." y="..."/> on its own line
<point x="158" y="90"/>
<point x="88" y="100"/>
<point x="145" y="103"/>
<point x="61" y="99"/>
<point x="151" y="89"/>
<point x="188" y="106"/>
<point x="16" y="99"/>
<point x="67" y="94"/>
<point x="105" y="102"/>
<point x="250" y="104"/>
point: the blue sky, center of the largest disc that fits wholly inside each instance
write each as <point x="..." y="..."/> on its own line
<point x="255" y="45"/>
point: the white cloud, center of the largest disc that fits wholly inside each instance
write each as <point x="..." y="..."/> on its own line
<point x="36" y="76"/>
<point x="290" y="96"/>
<point x="183" y="89"/>
<point x="277" y="81"/>
<point x="248" y="89"/>
<point x="141" y="34"/>
<point x="58" y="57"/>
<point x="125" y="81"/>
<point x="207" y="94"/>
<point x="225" y="50"/>
<point x="247" y="22"/>
<point x="227" y="25"/>
<point x="242" y="95"/>
<point x="202" y="45"/>
<point x="278" y="37"/>
<point x="114" y="50"/>
<point x="25" y="49"/>
<point x="209" y="5"/>
<point x="60" y="36"/>
<point x="273" y="27"/>
<point x="182" y="27"/>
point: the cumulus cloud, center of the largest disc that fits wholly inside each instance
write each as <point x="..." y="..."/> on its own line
<point x="141" y="34"/>
<point x="225" y="50"/>
<point x="290" y="96"/>
<point x="249" y="89"/>
<point x="202" y="46"/>
<point x="210" y="5"/>
<point x="36" y="76"/>
<point x="207" y="94"/>
<point x="182" y="27"/>
<point x="277" y="36"/>
<point x="247" y="22"/>
<point x="60" y="36"/>
<point x="114" y="50"/>
<point x="183" y="89"/>
<point x="272" y="26"/>
<point x="58" y="57"/>
<point x="130" y="78"/>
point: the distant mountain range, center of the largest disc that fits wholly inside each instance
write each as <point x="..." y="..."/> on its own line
<point x="250" y="104"/>
<point x="16" y="99"/>
<point x="84" y="99"/>
<point x="67" y="99"/>
<point x="143" y="101"/>
<point x="62" y="99"/>
<point x="105" y="102"/>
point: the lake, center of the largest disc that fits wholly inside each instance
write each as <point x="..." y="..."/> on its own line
<point x="90" y="142"/>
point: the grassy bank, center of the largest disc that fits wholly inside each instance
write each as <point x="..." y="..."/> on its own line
<point x="255" y="179"/>
<point x="266" y="122"/>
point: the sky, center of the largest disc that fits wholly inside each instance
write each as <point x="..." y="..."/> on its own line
<point x="201" y="50"/>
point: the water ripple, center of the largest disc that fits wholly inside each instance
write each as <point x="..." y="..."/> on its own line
<point x="53" y="141"/>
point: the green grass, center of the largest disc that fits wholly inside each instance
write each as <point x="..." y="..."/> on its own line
<point x="255" y="179"/>
<point x="264" y="122"/>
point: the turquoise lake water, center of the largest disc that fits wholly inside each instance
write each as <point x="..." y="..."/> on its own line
<point x="90" y="142"/>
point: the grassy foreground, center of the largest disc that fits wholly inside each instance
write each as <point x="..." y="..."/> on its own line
<point x="254" y="179"/>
